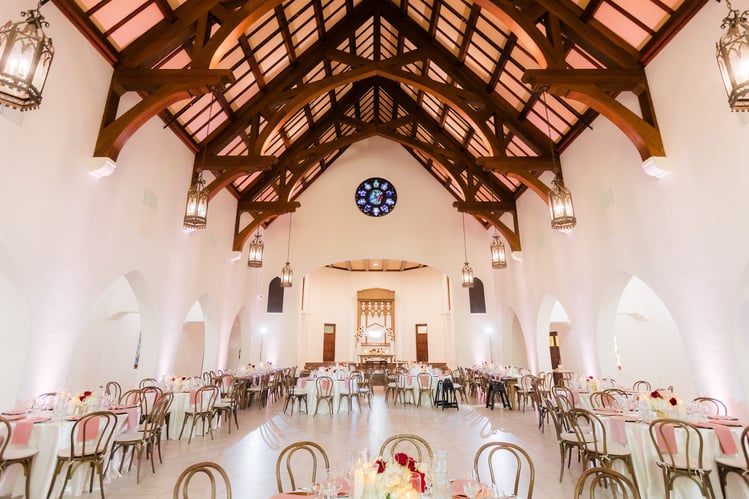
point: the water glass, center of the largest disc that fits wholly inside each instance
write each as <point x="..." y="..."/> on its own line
<point x="471" y="485"/>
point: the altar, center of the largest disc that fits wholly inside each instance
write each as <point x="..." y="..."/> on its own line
<point x="377" y="358"/>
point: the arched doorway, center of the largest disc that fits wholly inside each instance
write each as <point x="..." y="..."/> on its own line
<point x="190" y="349"/>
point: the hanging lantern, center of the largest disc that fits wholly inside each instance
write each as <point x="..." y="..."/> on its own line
<point x="560" y="207"/>
<point x="732" y="52"/>
<point x="25" y="58"/>
<point x="196" y="211"/>
<point x="466" y="276"/>
<point x="499" y="256"/>
<point x="256" y="252"/>
<point x="287" y="276"/>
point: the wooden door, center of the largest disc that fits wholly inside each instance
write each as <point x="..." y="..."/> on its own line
<point x="328" y="343"/>
<point x="422" y="343"/>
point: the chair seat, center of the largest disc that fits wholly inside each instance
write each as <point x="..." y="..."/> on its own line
<point x="568" y="436"/>
<point x="13" y="453"/>
<point x="680" y="464"/>
<point x="299" y="392"/>
<point x="222" y="405"/>
<point x="736" y="462"/>
<point x="614" y="449"/>
<point x="78" y="452"/>
<point x="130" y="437"/>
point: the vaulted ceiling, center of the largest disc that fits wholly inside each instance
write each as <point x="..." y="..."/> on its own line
<point x="270" y="93"/>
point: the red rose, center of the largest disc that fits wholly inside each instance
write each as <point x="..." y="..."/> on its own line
<point x="380" y="465"/>
<point x="655" y="394"/>
<point x="87" y="393"/>
<point x="411" y="464"/>
<point x="673" y="401"/>
<point x="401" y="458"/>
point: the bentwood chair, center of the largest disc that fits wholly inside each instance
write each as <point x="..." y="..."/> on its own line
<point x="144" y="439"/>
<point x="15" y="454"/>
<point x="566" y="439"/>
<point x="295" y="394"/>
<point x="214" y="474"/>
<point x="715" y="407"/>
<point x="595" y="444"/>
<point x="503" y="455"/>
<point x="598" y="482"/>
<point x="114" y="390"/>
<point x="602" y="400"/>
<point x="351" y="390"/>
<point x="414" y="445"/>
<point x="324" y="391"/>
<point x="90" y="440"/>
<point x="148" y="382"/>
<point x="641" y="386"/>
<point x="228" y="406"/>
<point x="201" y="408"/>
<point x="687" y="462"/>
<point x="391" y="385"/>
<point x="425" y="385"/>
<point x="735" y="464"/>
<point x="150" y="395"/>
<point x="311" y="455"/>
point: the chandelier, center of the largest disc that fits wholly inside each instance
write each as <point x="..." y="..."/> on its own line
<point x="287" y="275"/>
<point x="732" y="52"/>
<point x="466" y="274"/>
<point x="561" y="208"/>
<point x="499" y="256"/>
<point x="256" y="251"/>
<point x="196" y="210"/>
<point x="26" y="55"/>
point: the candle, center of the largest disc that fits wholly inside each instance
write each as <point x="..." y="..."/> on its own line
<point x="358" y="482"/>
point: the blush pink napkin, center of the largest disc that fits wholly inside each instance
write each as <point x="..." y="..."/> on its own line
<point x="133" y="417"/>
<point x="666" y="439"/>
<point x="193" y="397"/>
<point x="576" y="397"/>
<point x="325" y="384"/>
<point x="456" y="488"/>
<point x="618" y="429"/>
<point x="90" y="428"/>
<point x="22" y="432"/>
<point x="302" y="382"/>
<point x="725" y="437"/>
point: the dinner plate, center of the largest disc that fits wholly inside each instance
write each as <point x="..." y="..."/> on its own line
<point x="723" y="418"/>
<point x="15" y="417"/>
<point x="15" y="412"/>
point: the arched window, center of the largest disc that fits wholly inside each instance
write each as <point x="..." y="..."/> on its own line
<point x="275" y="296"/>
<point x="476" y="297"/>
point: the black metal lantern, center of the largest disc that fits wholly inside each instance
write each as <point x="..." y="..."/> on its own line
<point x="255" y="259"/>
<point x="499" y="255"/>
<point x="26" y="55"/>
<point x="732" y="52"/>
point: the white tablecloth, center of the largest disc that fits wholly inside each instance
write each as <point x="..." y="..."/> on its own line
<point x="650" y="477"/>
<point x="49" y="437"/>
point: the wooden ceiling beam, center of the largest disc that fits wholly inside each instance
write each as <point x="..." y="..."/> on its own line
<point x="273" y="210"/>
<point x="616" y="80"/>
<point x="494" y="206"/>
<point x="503" y="164"/>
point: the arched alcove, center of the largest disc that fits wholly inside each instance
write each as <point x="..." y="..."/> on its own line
<point x="191" y="343"/>
<point x="551" y="315"/>
<point x="513" y="344"/>
<point x="16" y="315"/>
<point x="107" y="345"/>
<point x="645" y="342"/>
<point x="234" y="348"/>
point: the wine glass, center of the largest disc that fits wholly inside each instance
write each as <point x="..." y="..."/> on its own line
<point x="331" y="485"/>
<point x="471" y="484"/>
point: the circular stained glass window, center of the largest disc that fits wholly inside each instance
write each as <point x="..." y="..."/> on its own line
<point x="375" y="197"/>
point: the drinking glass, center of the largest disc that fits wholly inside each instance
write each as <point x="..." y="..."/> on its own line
<point x="331" y="485"/>
<point x="471" y="485"/>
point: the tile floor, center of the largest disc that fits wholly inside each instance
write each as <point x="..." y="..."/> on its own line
<point x="249" y="455"/>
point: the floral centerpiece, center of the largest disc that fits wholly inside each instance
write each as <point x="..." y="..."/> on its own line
<point x="83" y="401"/>
<point x="593" y="384"/>
<point x="375" y="350"/>
<point x="663" y="402"/>
<point x="394" y="477"/>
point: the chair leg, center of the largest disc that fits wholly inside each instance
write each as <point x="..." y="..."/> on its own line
<point x="181" y="431"/>
<point x="101" y="479"/>
<point x="27" y="473"/>
<point x="54" y="478"/>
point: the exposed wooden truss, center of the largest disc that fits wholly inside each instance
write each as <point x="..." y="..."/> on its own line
<point x="455" y="82"/>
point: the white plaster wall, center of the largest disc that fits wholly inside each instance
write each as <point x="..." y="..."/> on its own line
<point x="418" y="300"/>
<point x="683" y="234"/>
<point x="71" y="235"/>
<point x="328" y="228"/>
